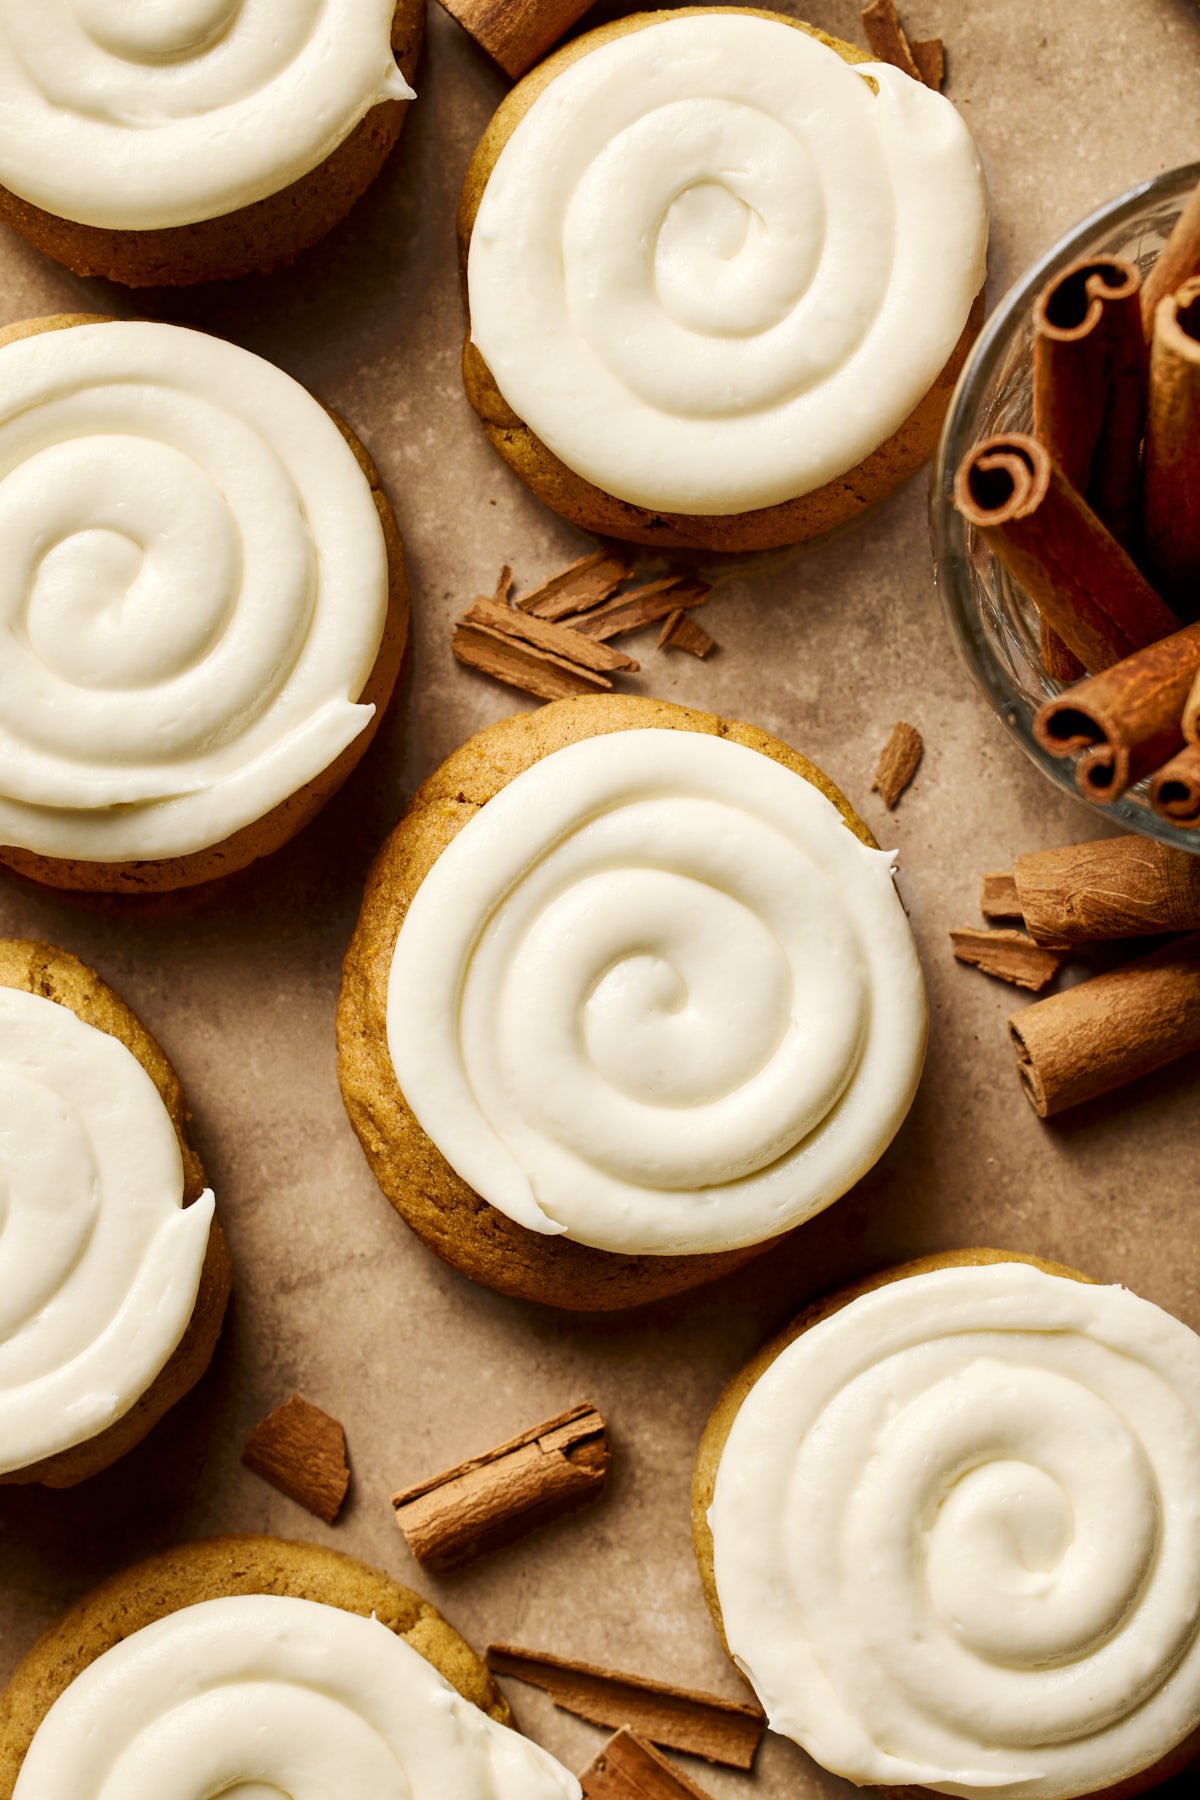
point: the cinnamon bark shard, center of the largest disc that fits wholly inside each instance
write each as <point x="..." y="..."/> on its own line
<point x="887" y="37"/>
<point x="1090" y="1039"/>
<point x="516" y="33"/>
<point x="998" y="897"/>
<point x="898" y="763"/>
<point x="1009" y="955"/>
<point x="642" y="606"/>
<point x="578" y="588"/>
<point x="494" y="1499"/>
<point x="535" y="672"/>
<point x="301" y="1451"/>
<point x="628" y="1768"/>
<point x="682" y="633"/>
<point x="929" y="54"/>
<point x="543" y="634"/>
<point x="720" y="1731"/>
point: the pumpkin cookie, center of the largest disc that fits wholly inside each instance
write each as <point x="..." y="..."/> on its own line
<point x="114" y="1275"/>
<point x="631" y="995"/>
<point x="722" y="272"/>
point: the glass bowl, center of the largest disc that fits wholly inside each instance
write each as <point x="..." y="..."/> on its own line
<point x="994" y="622"/>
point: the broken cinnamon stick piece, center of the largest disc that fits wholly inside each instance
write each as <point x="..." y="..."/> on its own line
<point x="898" y="763"/>
<point x="1105" y="1032"/>
<point x="998" y="898"/>
<point x="929" y="54"/>
<point x="639" y="607"/>
<point x="1171" y="493"/>
<point x="1178" y="261"/>
<point x="1065" y="558"/>
<point x="1175" y="789"/>
<point x="560" y="640"/>
<point x="887" y="37"/>
<point x="720" y="1731"/>
<point x="1114" y="887"/>
<point x="1127" y="720"/>
<point x="1009" y="955"/>
<point x="682" y="633"/>
<point x="628" y="1768"/>
<point x="496" y="1498"/>
<point x="578" y="588"/>
<point x="535" y="672"/>
<point x="504" y="582"/>
<point x="301" y="1451"/>
<point x="516" y="33"/>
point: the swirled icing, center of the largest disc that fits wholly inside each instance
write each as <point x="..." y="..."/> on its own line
<point x="957" y="1540"/>
<point x="193" y="589"/>
<point x="656" y="996"/>
<point x="714" y="269"/>
<point x="99" y="1260"/>
<point x="265" y="1697"/>
<point x="170" y="111"/>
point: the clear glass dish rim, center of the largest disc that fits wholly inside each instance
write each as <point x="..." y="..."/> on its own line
<point x="951" y="564"/>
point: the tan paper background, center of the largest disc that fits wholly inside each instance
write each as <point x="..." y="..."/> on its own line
<point x="1071" y="102"/>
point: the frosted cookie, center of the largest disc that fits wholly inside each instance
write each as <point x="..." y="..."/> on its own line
<point x="947" y="1523"/>
<point x="253" y="1666"/>
<point x="722" y="271"/>
<point x="167" y="144"/>
<point x="631" y="995"/>
<point x="203" y="604"/>
<point x="113" y="1270"/>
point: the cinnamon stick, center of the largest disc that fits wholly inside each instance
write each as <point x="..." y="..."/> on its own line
<point x="1065" y="558"/>
<point x="1178" y="261"/>
<point x="1191" y="714"/>
<point x="580" y="587"/>
<point x="1113" y="887"/>
<point x="1090" y="1039"/>
<point x="301" y="1451"/>
<point x="628" y="1768"/>
<point x="494" y="1499"/>
<point x="1175" y="789"/>
<point x="642" y="606"/>
<point x="1128" y="720"/>
<point x="516" y="33"/>
<point x="998" y="898"/>
<point x="1171" y="502"/>
<point x="898" y="763"/>
<point x="1008" y="955"/>
<point x="681" y="632"/>
<point x="720" y="1731"/>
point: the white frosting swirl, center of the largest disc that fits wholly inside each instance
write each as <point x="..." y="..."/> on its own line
<point x="164" y="112"/>
<point x="262" y="1697"/>
<point x="957" y="1536"/>
<point x="99" y="1261"/>
<point x="193" y="588"/>
<point x="656" y="996"/>
<point x="713" y="269"/>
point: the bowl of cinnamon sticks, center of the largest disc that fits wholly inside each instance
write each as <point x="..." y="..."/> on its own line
<point x="1066" y="510"/>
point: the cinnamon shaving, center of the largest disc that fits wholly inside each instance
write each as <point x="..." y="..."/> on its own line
<point x="628" y="1768"/>
<point x="887" y="38"/>
<point x="535" y="672"/>
<point x="1008" y="955"/>
<point x="929" y="54"/>
<point x="682" y="633"/>
<point x="642" y="606"/>
<point x="720" y="1731"/>
<point x="559" y="640"/>
<point x="301" y="1451"/>
<point x="578" y="588"/>
<point x="998" y="897"/>
<point x="898" y="763"/>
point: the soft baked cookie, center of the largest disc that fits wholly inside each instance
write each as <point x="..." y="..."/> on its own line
<point x="221" y="140"/>
<point x="722" y="272"/>
<point x="945" y="1522"/>
<point x="113" y="1269"/>
<point x="205" y="608"/>
<point x="252" y="1660"/>
<point x="631" y="995"/>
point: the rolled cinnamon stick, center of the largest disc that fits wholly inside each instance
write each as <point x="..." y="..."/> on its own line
<point x="1178" y="261"/>
<point x="1171" y="501"/>
<point x="1114" y="887"/>
<point x="1065" y="558"/>
<point x="1092" y="1038"/>
<point x="1175" y="790"/>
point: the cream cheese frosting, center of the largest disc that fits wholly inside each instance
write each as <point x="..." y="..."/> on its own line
<point x="193" y="591"/>
<point x="957" y="1535"/>
<point x="264" y="1697"/>
<point x="99" y="1260"/>
<point x="715" y="267"/>
<point x="170" y="111"/>
<point x="657" y="997"/>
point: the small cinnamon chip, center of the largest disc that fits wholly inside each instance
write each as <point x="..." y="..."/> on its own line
<point x="628" y="1768"/>
<point x="504" y="582"/>
<point x="498" y="1497"/>
<point x="577" y="589"/>
<point x="720" y="1731"/>
<point x="301" y="1451"/>
<point x="929" y="54"/>
<point x="639" y="607"/>
<point x="543" y="634"/>
<point x="887" y="37"/>
<point x="1008" y="955"/>
<point x="998" y="897"/>
<point x="898" y="763"/>
<point x="682" y="633"/>
<point x="535" y="672"/>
